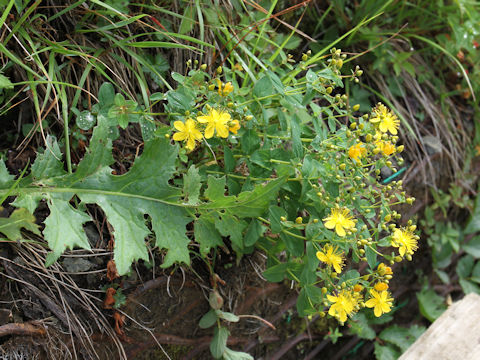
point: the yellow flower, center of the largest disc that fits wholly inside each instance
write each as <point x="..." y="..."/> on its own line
<point x="340" y="220"/>
<point x="381" y="286"/>
<point x="238" y="67"/>
<point x="387" y="120"/>
<point x="343" y="305"/>
<point x="234" y="126"/>
<point x="332" y="257"/>
<point x="224" y="89"/>
<point x="357" y="151"/>
<point x="380" y="301"/>
<point x="215" y="120"/>
<point x="405" y="241"/>
<point x="384" y="269"/>
<point x="187" y="132"/>
<point x="386" y="147"/>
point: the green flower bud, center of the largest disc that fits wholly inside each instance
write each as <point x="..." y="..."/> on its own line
<point x="356" y="107"/>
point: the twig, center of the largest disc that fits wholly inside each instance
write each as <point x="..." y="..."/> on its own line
<point x="22" y="329"/>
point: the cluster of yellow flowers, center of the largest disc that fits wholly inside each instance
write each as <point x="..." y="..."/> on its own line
<point x="217" y="122"/>
<point x="346" y="300"/>
<point x="387" y="125"/>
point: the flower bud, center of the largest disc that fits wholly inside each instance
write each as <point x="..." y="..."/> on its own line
<point x="400" y="148"/>
<point x="283" y="218"/>
<point x="211" y="87"/>
<point x="219" y="70"/>
<point x="215" y="300"/>
<point x="304" y="57"/>
<point x="299" y="220"/>
<point x="356" y="107"/>
<point x="203" y="67"/>
<point x="329" y="90"/>
<point x="357" y="288"/>
<point x="249" y="117"/>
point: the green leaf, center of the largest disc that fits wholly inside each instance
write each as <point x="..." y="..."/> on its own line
<point x="227" y="316"/>
<point x="295" y="246"/>
<point x="85" y="120"/>
<point x="206" y="234"/>
<point x="275" y="213"/>
<point x="263" y="87"/>
<point x="64" y="226"/>
<point x="48" y="164"/>
<point x="106" y="95"/>
<point x="228" y="159"/>
<point x="254" y="231"/>
<point x="208" y="319"/>
<point x="246" y="204"/>
<point x="431" y="305"/>
<point x="473" y="224"/>
<point x="386" y="352"/>
<point x="371" y="257"/>
<point x="168" y="223"/>
<point x="20" y="218"/>
<point x="399" y="336"/>
<point x="359" y="326"/>
<point x="228" y="225"/>
<point x="215" y="188"/>
<point x="304" y="306"/>
<point x="6" y="179"/>
<point x="191" y="185"/>
<point x="473" y="247"/>
<point x="125" y="200"/>
<point x="230" y="354"/>
<point x="218" y="345"/>
<point x="250" y="141"/>
<point x="469" y="287"/>
<point x="276" y="273"/>
<point x="5" y="82"/>
<point x="465" y="266"/>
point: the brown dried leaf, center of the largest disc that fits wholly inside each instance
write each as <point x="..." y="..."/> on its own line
<point x="109" y="299"/>
<point x="112" y="272"/>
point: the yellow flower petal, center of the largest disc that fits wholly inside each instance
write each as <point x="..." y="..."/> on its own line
<point x="179" y="125"/>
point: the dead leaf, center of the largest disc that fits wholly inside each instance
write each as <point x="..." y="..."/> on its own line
<point x="109" y="299"/>
<point x="112" y="272"/>
<point x="119" y="321"/>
